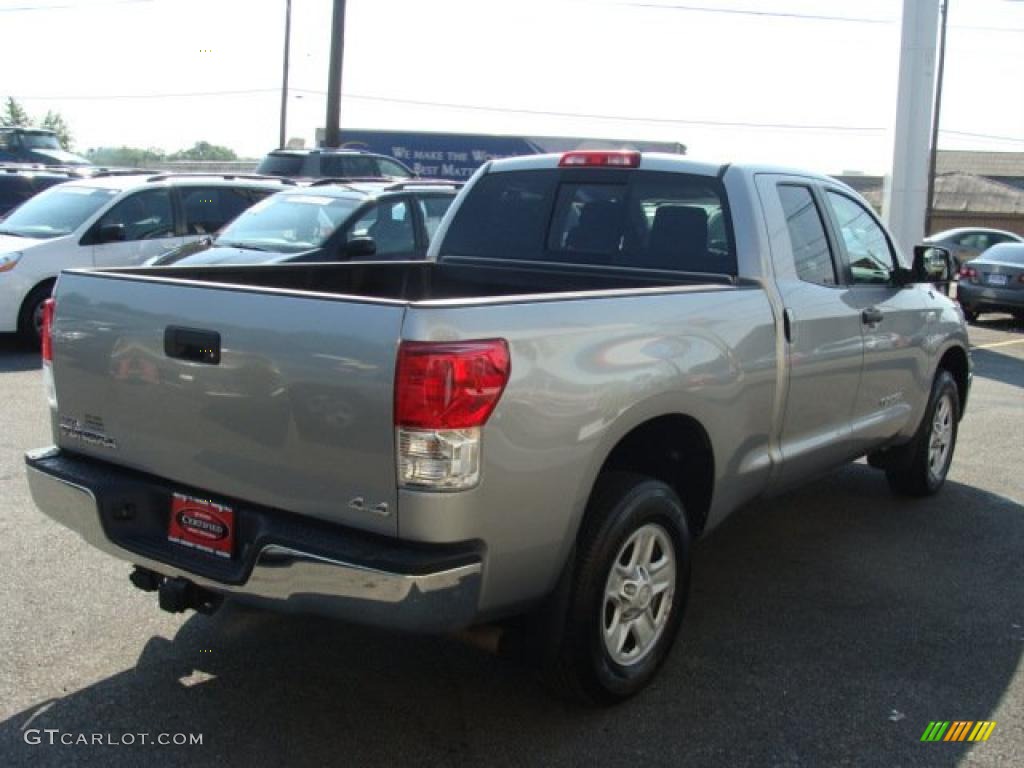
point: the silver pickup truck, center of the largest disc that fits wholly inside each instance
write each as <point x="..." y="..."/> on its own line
<point x="603" y="356"/>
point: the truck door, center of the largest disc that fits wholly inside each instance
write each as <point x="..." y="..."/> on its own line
<point x="824" y="344"/>
<point x="894" y="324"/>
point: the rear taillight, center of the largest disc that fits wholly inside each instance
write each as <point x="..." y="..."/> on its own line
<point x="607" y="158"/>
<point x="47" y="331"/>
<point x="444" y="393"/>
<point x="46" y="345"/>
<point x="968" y="272"/>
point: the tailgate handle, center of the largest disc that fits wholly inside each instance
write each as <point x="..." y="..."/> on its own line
<point x="192" y="344"/>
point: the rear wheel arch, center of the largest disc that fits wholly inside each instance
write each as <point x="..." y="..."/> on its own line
<point x="675" y="449"/>
<point x="955" y="361"/>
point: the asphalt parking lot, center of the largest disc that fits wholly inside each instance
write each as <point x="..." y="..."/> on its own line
<point x="828" y="626"/>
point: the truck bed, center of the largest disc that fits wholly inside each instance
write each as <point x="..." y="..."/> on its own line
<point x="422" y="281"/>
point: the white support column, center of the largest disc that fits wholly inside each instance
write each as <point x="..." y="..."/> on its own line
<point x="906" y="188"/>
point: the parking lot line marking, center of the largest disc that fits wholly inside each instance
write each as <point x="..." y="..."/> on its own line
<point x="999" y="344"/>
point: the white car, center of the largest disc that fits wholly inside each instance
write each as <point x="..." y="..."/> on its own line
<point x="114" y="221"/>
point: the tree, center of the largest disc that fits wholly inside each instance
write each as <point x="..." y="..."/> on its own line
<point x="14" y="115"/>
<point x="204" y="150"/>
<point x="125" y="156"/>
<point x="55" y="122"/>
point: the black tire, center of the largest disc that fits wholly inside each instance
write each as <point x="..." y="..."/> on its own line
<point x="915" y="469"/>
<point x="970" y="315"/>
<point x="580" y="666"/>
<point x="31" y="308"/>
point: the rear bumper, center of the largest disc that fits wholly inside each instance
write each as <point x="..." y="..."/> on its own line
<point x="979" y="296"/>
<point x="283" y="562"/>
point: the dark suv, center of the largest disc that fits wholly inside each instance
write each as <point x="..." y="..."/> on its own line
<point x="331" y="163"/>
<point x="35" y="145"/>
<point x="19" y="184"/>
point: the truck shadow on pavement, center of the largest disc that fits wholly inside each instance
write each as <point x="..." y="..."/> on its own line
<point x="998" y="366"/>
<point x="15" y="355"/>
<point x="827" y="626"/>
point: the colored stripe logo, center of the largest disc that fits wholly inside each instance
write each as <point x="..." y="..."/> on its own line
<point x="958" y="730"/>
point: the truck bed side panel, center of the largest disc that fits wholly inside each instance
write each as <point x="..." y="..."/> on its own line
<point x="584" y="373"/>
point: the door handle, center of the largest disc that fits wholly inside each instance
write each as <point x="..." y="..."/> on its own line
<point x="871" y="316"/>
<point x="192" y="344"/>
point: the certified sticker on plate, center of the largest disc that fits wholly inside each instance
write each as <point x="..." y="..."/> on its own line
<point x="997" y="279"/>
<point x="202" y="524"/>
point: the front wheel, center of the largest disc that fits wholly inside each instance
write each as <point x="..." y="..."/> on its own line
<point x="627" y="590"/>
<point x="920" y="467"/>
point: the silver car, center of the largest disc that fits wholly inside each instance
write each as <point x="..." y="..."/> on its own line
<point x="994" y="282"/>
<point x="966" y="243"/>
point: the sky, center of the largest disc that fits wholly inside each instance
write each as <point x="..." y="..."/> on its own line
<point x="809" y="83"/>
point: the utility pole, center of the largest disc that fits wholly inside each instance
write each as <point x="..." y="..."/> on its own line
<point x="935" y="120"/>
<point x="904" y="200"/>
<point x="284" y="81"/>
<point x="333" y="123"/>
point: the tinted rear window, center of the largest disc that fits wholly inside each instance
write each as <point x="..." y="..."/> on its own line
<point x="640" y="219"/>
<point x="281" y="165"/>
<point x="351" y="166"/>
<point x="14" y="190"/>
<point x="1011" y="254"/>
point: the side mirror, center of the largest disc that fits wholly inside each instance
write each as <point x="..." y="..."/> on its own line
<point x="110" y="233"/>
<point x="932" y="264"/>
<point x="359" y="248"/>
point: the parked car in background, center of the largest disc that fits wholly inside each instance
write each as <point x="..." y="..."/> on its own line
<point x="18" y="184"/>
<point x="993" y="282"/>
<point x="328" y="222"/>
<point x="326" y="162"/>
<point x="35" y="145"/>
<point x="966" y="243"/>
<point x="107" y="221"/>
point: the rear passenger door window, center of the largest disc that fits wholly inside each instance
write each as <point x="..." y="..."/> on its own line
<point x="433" y="209"/>
<point x="812" y="255"/>
<point x="868" y="252"/>
<point x="207" y="209"/>
<point x="390" y="224"/>
<point x="145" y="215"/>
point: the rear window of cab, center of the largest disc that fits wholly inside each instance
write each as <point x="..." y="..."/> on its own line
<point x="623" y="218"/>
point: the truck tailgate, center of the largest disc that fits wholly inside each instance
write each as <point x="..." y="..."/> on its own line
<point x="296" y="413"/>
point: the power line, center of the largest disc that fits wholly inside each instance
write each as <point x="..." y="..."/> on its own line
<point x="623" y="118"/>
<point x="989" y="136"/>
<point x="69" y="6"/>
<point x="119" y="96"/>
<point x="745" y="12"/>
<point x="512" y="110"/>
<point x="1014" y="30"/>
<point x="471" y="107"/>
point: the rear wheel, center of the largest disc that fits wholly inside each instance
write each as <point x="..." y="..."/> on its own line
<point x="30" y="319"/>
<point x="920" y="467"/>
<point x="970" y="315"/>
<point x="627" y="591"/>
